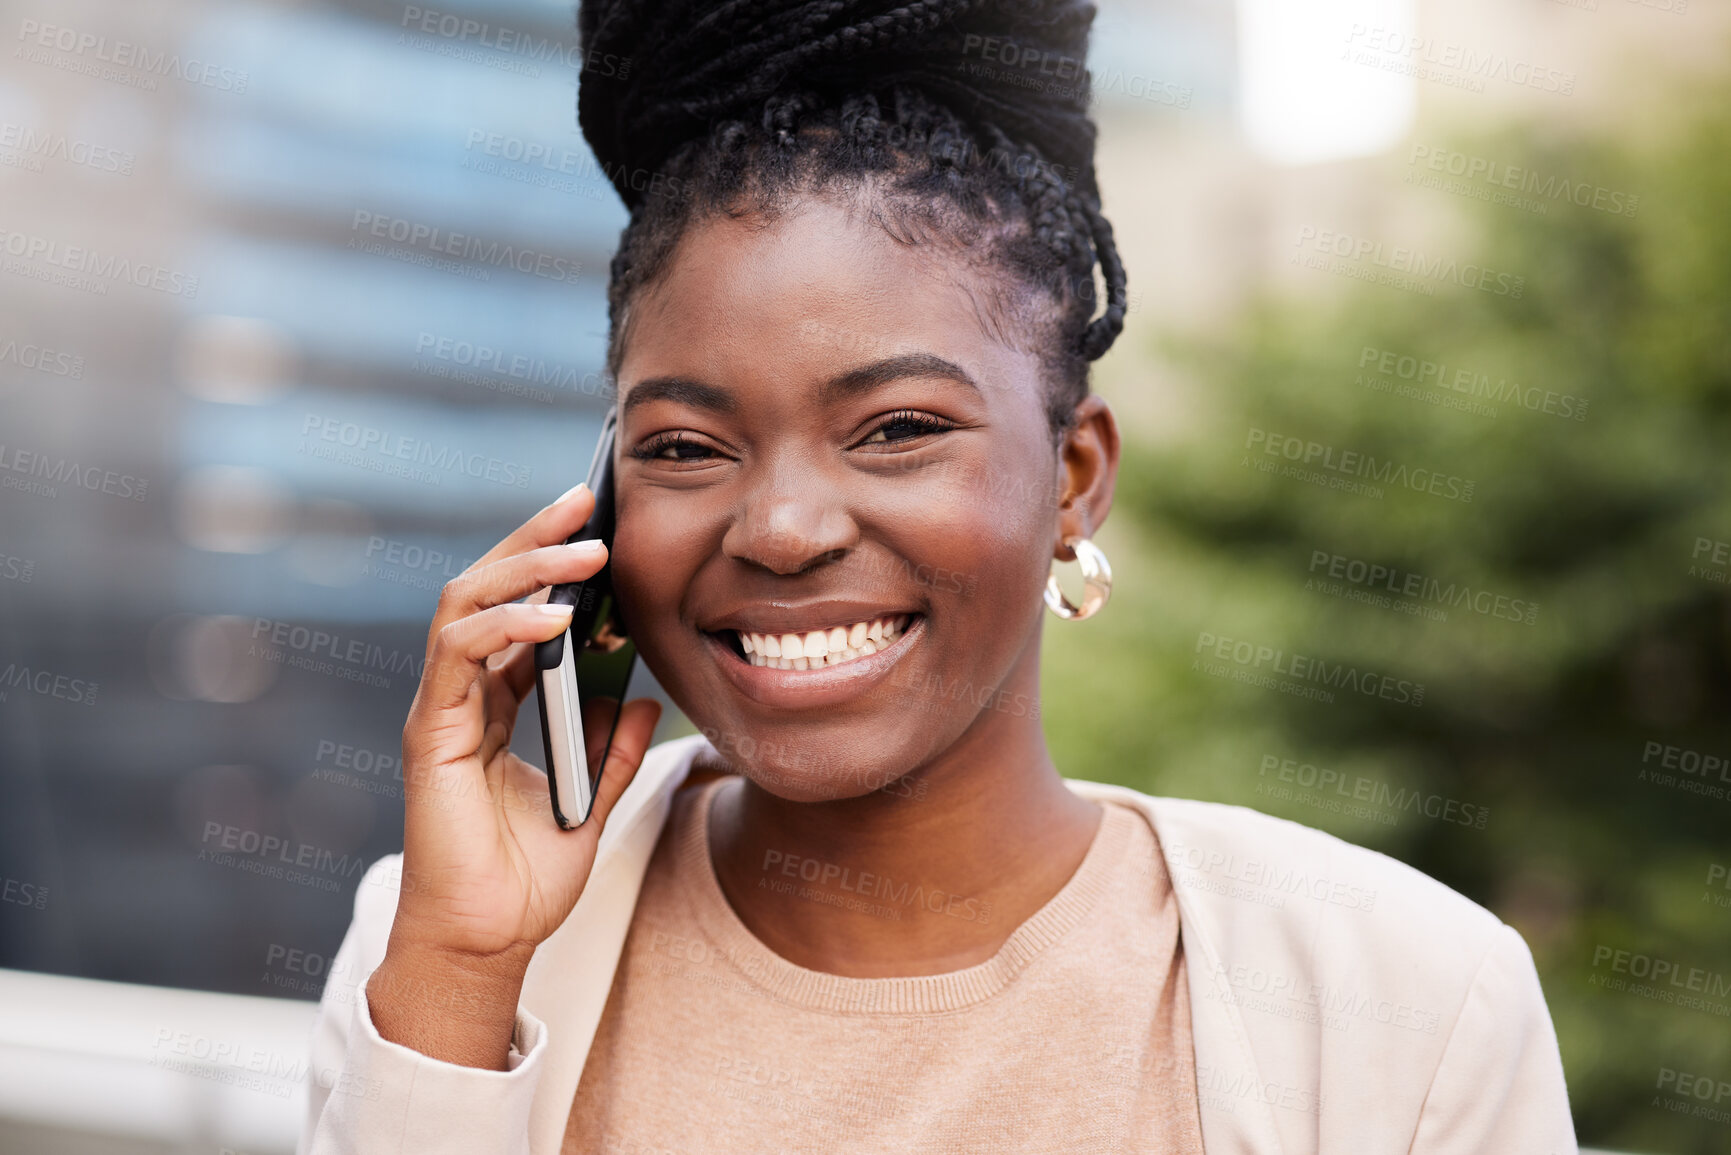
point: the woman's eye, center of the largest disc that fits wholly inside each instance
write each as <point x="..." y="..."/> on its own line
<point x="672" y="448"/>
<point x="905" y="426"/>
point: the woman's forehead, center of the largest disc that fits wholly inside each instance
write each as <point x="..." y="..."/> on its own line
<point x="816" y="288"/>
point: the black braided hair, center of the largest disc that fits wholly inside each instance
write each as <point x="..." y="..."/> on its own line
<point x="966" y="119"/>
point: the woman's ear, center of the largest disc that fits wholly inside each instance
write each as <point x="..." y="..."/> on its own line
<point x="1088" y="457"/>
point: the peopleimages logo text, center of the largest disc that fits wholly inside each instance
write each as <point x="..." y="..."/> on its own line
<point x="1358" y="788"/>
<point x="1355" y="464"/>
<point x="1414" y="262"/>
<point x="1305" y="668"/>
<point x="26" y="141"/>
<point x="104" y="267"/>
<point x="65" y="471"/>
<point x="466" y="246"/>
<point x="1448" y="61"/>
<point x="1470" y="383"/>
<point x="513" y="41"/>
<point x="519" y="366"/>
<point x="1408" y="584"/>
<point x="42" y="360"/>
<point x="1483" y="170"/>
<point x="125" y="54"/>
<point x="366" y="439"/>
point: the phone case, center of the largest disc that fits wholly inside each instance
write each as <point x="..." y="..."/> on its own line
<point x="568" y="773"/>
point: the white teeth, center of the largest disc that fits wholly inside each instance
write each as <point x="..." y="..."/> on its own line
<point x="820" y="649"/>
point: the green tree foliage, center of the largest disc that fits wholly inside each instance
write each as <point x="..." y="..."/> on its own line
<point x="1544" y="721"/>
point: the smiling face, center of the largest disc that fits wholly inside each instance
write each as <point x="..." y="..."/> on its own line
<point x="821" y="445"/>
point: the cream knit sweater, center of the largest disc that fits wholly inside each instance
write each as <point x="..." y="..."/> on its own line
<point x="1074" y="1037"/>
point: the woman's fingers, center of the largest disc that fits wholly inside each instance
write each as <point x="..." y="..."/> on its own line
<point x="630" y="743"/>
<point x="459" y="651"/>
<point x="550" y="526"/>
<point x="597" y="725"/>
<point x="514" y="670"/>
<point x="494" y="738"/>
<point x="482" y="587"/>
<point x="514" y="665"/>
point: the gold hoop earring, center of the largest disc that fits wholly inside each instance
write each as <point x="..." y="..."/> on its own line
<point x="1096" y="579"/>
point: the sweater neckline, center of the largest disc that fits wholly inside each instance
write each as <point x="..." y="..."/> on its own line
<point x="904" y="995"/>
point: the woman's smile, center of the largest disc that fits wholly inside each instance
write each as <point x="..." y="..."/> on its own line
<point x="835" y="663"/>
<point x="816" y="649"/>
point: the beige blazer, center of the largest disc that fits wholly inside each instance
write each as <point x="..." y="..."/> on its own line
<point x="1341" y="1002"/>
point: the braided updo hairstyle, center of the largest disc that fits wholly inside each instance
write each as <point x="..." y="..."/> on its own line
<point x="965" y="122"/>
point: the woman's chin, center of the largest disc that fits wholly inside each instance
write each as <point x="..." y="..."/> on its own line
<point x="800" y="775"/>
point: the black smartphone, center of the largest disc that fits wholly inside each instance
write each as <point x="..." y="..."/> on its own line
<point x="584" y="672"/>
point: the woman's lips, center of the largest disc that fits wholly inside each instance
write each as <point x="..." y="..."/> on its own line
<point x="819" y="649"/>
<point x="806" y="689"/>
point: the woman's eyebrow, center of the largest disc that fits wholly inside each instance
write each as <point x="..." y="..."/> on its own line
<point x="680" y="390"/>
<point x="869" y="377"/>
<point x="851" y="383"/>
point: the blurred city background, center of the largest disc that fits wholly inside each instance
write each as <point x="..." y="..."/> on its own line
<point x="1426" y="378"/>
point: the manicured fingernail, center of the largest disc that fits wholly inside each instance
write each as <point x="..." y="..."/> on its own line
<point x="585" y="548"/>
<point x="554" y="610"/>
<point x="580" y="487"/>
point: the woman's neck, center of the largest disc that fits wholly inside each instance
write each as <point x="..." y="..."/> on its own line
<point x="964" y="850"/>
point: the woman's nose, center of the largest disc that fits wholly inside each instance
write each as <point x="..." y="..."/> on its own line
<point x="791" y="522"/>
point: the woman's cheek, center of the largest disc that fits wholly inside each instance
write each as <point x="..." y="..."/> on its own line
<point x="639" y="582"/>
<point x="658" y="550"/>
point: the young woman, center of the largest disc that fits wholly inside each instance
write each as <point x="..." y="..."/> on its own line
<point x="852" y="320"/>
